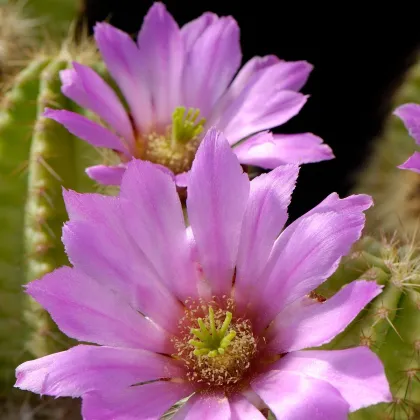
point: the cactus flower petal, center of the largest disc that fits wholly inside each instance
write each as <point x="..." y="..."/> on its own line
<point x="269" y="150"/>
<point x="148" y="401"/>
<point x="106" y="175"/>
<point x="321" y="237"/>
<point x="85" y="87"/>
<point x="166" y="319"/>
<point x="110" y="320"/>
<point x="211" y="63"/>
<point x="217" y="243"/>
<point x="412" y="163"/>
<point x="82" y="127"/>
<point x="293" y="396"/>
<point x="357" y="373"/>
<point x="247" y="116"/>
<point x="101" y="368"/>
<point x="317" y="324"/>
<point x="410" y="115"/>
<point x="179" y="82"/>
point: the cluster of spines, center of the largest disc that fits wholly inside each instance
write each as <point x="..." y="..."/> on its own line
<point x="390" y="324"/>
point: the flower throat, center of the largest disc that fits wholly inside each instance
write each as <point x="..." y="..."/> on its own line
<point x="216" y="347"/>
<point x="175" y="148"/>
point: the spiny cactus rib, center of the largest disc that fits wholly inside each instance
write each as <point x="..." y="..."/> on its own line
<point x="16" y="122"/>
<point x="51" y="167"/>
<point x="390" y="324"/>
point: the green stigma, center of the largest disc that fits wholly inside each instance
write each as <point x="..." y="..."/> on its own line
<point x="212" y="341"/>
<point x="185" y="124"/>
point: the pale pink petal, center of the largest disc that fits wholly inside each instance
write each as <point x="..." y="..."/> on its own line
<point x="218" y="192"/>
<point x="350" y="204"/>
<point x="264" y="219"/>
<point x="357" y="373"/>
<point x="289" y="75"/>
<point x="315" y="325"/>
<point x="87" y="130"/>
<point x="251" y="67"/>
<point x="269" y="150"/>
<point x="293" y="396"/>
<point x="210" y="65"/>
<point x="153" y="214"/>
<point x="88" y="311"/>
<point x="259" y="107"/>
<point x="192" y="30"/>
<point x="182" y="179"/>
<point x="205" y="406"/>
<point x="242" y="409"/>
<point x="104" y="251"/>
<point x="85" y="206"/>
<point x="410" y="115"/>
<point x="149" y="401"/>
<point x="85" y="87"/>
<point x="412" y="163"/>
<point x="124" y="62"/>
<point x="162" y="51"/>
<point x="304" y="256"/>
<point x="106" y="175"/>
<point x="83" y="369"/>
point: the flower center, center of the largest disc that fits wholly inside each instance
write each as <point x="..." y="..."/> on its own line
<point x="175" y="148"/>
<point x="216" y="347"/>
<point x="213" y="341"/>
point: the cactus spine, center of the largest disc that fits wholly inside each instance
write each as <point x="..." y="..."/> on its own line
<point x="390" y="324"/>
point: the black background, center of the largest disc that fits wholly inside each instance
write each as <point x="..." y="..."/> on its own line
<point x="360" y="55"/>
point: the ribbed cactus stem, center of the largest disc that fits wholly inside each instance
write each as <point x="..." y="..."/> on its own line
<point x="16" y="120"/>
<point x="51" y="166"/>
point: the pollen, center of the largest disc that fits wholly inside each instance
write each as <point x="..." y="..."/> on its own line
<point x="176" y="146"/>
<point x="216" y="347"/>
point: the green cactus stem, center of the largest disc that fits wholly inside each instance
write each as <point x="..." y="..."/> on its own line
<point x="51" y="166"/>
<point x="17" y="116"/>
<point x="390" y="324"/>
<point x="37" y="158"/>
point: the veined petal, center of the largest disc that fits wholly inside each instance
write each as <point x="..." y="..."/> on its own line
<point x="356" y="373"/>
<point x="217" y="198"/>
<point x="83" y="369"/>
<point x="124" y="62"/>
<point x="85" y="87"/>
<point x="149" y="401"/>
<point x="264" y="219"/>
<point x="304" y="256"/>
<point x="210" y="65"/>
<point x="105" y="252"/>
<point x="206" y="407"/>
<point x="259" y="107"/>
<point x="293" y="396"/>
<point x="88" y="311"/>
<point x="242" y="409"/>
<point x="192" y="30"/>
<point x="317" y="324"/>
<point x="269" y="150"/>
<point x="87" y="130"/>
<point x="153" y="216"/>
<point x="245" y="74"/>
<point x="162" y="51"/>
